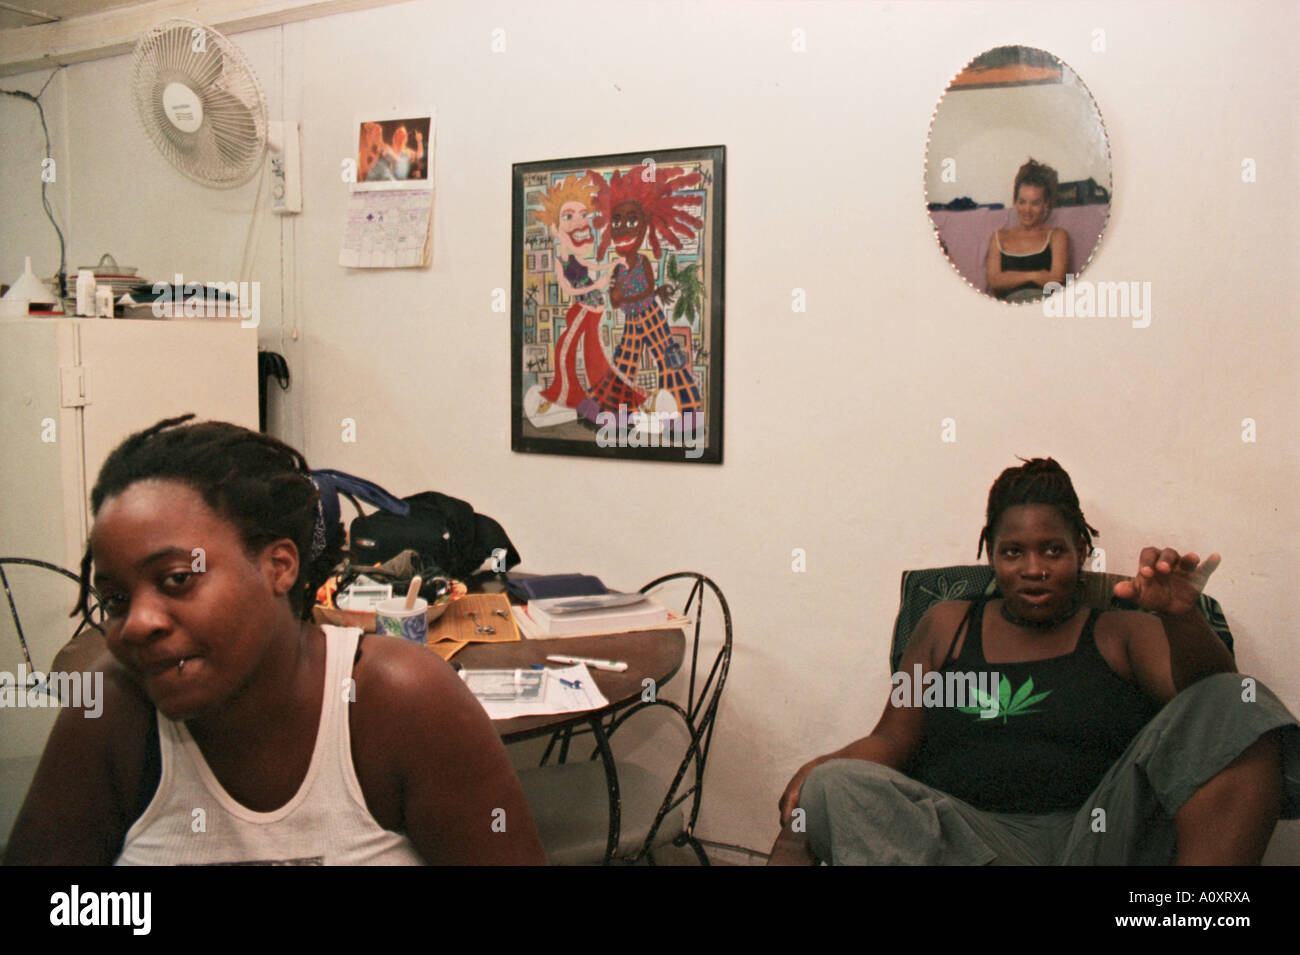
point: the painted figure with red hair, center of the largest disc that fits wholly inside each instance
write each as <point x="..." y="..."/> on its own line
<point x="642" y="203"/>
<point x="566" y="212"/>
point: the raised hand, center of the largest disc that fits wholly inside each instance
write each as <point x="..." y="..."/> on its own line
<point x="1167" y="582"/>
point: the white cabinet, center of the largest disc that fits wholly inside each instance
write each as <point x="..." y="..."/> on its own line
<point x="70" y="391"/>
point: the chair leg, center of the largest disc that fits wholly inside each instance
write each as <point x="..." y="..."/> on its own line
<point x="699" y="850"/>
<point x="611" y="784"/>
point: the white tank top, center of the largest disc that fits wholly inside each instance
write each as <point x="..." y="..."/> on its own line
<point x="192" y="820"/>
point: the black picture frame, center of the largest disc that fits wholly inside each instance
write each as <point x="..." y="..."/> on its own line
<point x="663" y="362"/>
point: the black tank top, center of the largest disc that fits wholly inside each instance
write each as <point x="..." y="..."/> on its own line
<point x="1059" y="725"/>
<point x="1030" y="262"/>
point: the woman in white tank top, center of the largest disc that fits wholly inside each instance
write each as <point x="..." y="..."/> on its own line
<point x="233" y="730"/>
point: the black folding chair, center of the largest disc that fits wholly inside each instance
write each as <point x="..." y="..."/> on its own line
<point x="13" y="604"/>
<point x="597" y="810"/>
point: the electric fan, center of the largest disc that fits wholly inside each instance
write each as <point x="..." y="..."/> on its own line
<point x="200" y="103"/>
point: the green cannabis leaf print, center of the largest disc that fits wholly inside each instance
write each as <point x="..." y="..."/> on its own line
<point x="1006" y="705"/>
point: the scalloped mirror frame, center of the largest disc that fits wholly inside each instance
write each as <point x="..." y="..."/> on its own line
<point x="1074" y="143"/>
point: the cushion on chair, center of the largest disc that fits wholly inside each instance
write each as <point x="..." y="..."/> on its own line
<point x="571" y="807"/>
<point x="923" y="588"/>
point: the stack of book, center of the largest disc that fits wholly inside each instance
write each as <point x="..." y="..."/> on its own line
<point x="602" y="613"/>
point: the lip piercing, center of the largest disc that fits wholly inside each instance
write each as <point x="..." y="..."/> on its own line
<point x="180" y="665"/>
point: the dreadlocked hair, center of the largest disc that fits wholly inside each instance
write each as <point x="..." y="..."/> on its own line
<point x="663" y="199"/>
<point x="258" y="483"/>
<point x="1037" y="481"/>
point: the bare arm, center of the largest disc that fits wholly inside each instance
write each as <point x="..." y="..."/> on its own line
<point x="615" y="295"/>
<point x="81" y="800"/>
<point x="1060" y="258"/>
<point x="999" y="280"/>
<point x="1168" y="654"/>
<point x="461" y="801"/>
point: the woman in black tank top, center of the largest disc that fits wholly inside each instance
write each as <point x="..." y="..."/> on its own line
<point x="1030" y="698"/>
<point x="1025" y="257"/>
<point x="1058" y="725"/>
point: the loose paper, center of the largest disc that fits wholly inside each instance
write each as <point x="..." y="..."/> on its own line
<point x="388" y="230"/>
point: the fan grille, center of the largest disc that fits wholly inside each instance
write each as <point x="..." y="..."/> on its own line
<point x="227" y="147"/>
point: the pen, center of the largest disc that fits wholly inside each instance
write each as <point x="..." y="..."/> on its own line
<point x="618" y="666"/>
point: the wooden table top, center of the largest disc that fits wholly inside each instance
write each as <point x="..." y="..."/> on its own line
<point x="656" y="654"/>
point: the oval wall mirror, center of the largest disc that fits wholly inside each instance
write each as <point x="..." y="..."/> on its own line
<point x="1017" y="173"/>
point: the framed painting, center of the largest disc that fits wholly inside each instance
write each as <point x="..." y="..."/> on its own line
<point x="616" y="326"/>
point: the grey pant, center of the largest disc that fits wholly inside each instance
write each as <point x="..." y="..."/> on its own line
<point x="862" y="813"/>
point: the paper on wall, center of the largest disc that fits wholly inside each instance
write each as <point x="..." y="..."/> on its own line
<point x="388" y="230"/>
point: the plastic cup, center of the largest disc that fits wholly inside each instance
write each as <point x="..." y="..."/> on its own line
<point x="392" y="618"/>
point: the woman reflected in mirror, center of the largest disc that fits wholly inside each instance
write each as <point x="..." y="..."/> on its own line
<point x="1026" y="256"/>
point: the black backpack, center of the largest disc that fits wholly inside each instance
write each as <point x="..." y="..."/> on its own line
<point x="450" y="537"/>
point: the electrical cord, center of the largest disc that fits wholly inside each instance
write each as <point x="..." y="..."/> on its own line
<point x="61" y="275"/>
<point x="270" y="364"/>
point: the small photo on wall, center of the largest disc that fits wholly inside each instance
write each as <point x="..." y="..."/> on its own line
<point x="394" y="153"/>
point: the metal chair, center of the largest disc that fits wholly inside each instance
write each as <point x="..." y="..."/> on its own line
<point x="13" y="606"/>
<point x="597" y="810"/>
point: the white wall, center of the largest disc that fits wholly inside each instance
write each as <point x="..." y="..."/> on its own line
<point x="833" y="415"/>
<point x="989" y="133"/>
